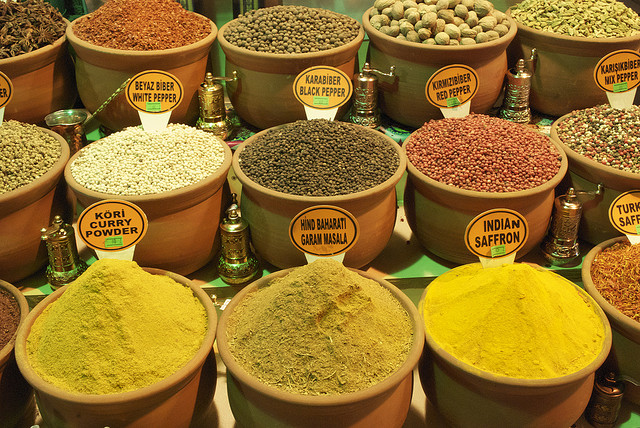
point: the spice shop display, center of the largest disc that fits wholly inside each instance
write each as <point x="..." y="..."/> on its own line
<point x="514" y="344"/>
<point x="570" y="37"/>
<point x="602" y="146"/>
<point x="175" y="176"/>
<point x="33" y="54"/>
<point x="267" y="48"/>
<point x="131" y="354"/>
<point x="286" y="169"/>
<point x="17" y="405"/>
<point x="610" y="275"/>
<point x="461" y="167"/>
<point x="33" y="160"/>
<point x="125" y="37"/>
<point x="337" y="348"/>
<point x="403" y="97"/>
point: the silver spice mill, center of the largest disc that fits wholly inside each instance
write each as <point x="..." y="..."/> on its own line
<point x="65" y="265"/>
<point x="364" y="110"/>
<point x="515" y="106"/>
<point x="237" y="264"/>
<point x="213" y="115"/>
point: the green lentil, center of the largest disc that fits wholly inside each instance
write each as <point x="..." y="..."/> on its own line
<point x="319" y="158"/>
<point x="26" y="153"/>
<point x="291" y="30"/>
<point x="578" y="18"/>
<point x="604" y="134"/>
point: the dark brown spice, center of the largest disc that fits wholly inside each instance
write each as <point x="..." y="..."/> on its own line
<point x="9" y="317"/>
<point x="144" y="25"/>
<point x="616" y="274"/>
<point x="28" y="25"/>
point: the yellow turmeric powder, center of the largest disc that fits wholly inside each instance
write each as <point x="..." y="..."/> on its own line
<point x="513" y="320"/>
<point x="116" y="328"/>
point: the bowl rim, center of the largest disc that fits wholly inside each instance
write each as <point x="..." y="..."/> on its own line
<point x="76" y="42"/>
<point x="39" y="186"/>
<point x="319" y="200"/>
<point x="380" y="388"/>
<point x="163" y="386"/>
<point x="227" y="47"/>
<point x="497" y="379"/>
<point x="23" y="307"/>
<point x="583" y="160"/>
<point x="542" y="188"/>
<point x="467" y="49"/>
<point x="593" y="41"/>
<point x="188" y="192"/>
<point x="611" y="311"/>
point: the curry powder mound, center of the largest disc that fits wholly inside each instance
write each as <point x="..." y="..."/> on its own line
<point x="321" y="329"/>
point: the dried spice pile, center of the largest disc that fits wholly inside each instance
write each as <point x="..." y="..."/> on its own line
<point x="143" y="25"/>
<point x="9" y="317"/>
<point x="28" y="25"/>
<point x="616" y="274"/>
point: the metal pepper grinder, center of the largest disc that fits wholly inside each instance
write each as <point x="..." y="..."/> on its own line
<point x="237" y="264"/>
<point x="606" y="399"/>
<point x="65" y="264"/>
<point x="515" y="106"/>
<point x="365" y="110"/>
<point x="213" y="115"/>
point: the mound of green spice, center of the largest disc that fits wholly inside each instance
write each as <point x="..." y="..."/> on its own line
<point x="321" y="329"/>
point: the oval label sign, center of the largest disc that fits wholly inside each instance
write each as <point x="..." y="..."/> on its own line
<point x="154" y="91"/>
<point x="6" y="90"/>
<point x="112" y="225"/>
<point x="323" y="87"/>
<point x="452" y="86"/>
<point x="624" y="212"/>
<point x="496" y="233"/>
<point x="618" y="71"/>
<point x="324" y="230"/>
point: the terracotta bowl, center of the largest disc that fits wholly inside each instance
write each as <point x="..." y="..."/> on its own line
<point x="586" y="174"/>
<point x="169" y="402"/>
<point x="266" y="80"/>
<point x="563" y="78"/>
<point x="626" y="331"/>
<point x="255" y="404"/>
<point x="469" y="397"/>
<point x="26" y="210"/>
<point x="183" y="233"/>
<point x="42" y="82"/>
<point x="438" y="213"/>
<point x="100" y="72"/>
<point x="404" y="101"/>
<point x="17" y="404"/>
<point x="270" y="212"/>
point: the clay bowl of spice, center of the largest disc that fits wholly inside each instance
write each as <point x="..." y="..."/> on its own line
<point x="32" y="194"/>
<point x="267" y="62"/>
<point x="610" y="275"/>
<point x="125" y="37"/>
<point x="289" y="168"/>
<point x="461" y="167"/>
<point x="569" y="42"/>
<point x="602" y="148"/>
<point x="119" y="346"/>
<point x="476" y="36"/>
<point x="34" y="56"/>
<point x="176" y="176"/>
<point x="515" y="345"/>
<point x="17" y="405"/>
<point x="320" y="345"/>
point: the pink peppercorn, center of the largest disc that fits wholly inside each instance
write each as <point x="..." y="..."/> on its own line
<point x="483" y="153"/>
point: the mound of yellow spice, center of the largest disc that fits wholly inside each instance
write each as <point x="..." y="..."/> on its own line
<point x="513" y="320"/>
<point x="321" y="329"/>
<point x="116" y="328"/>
